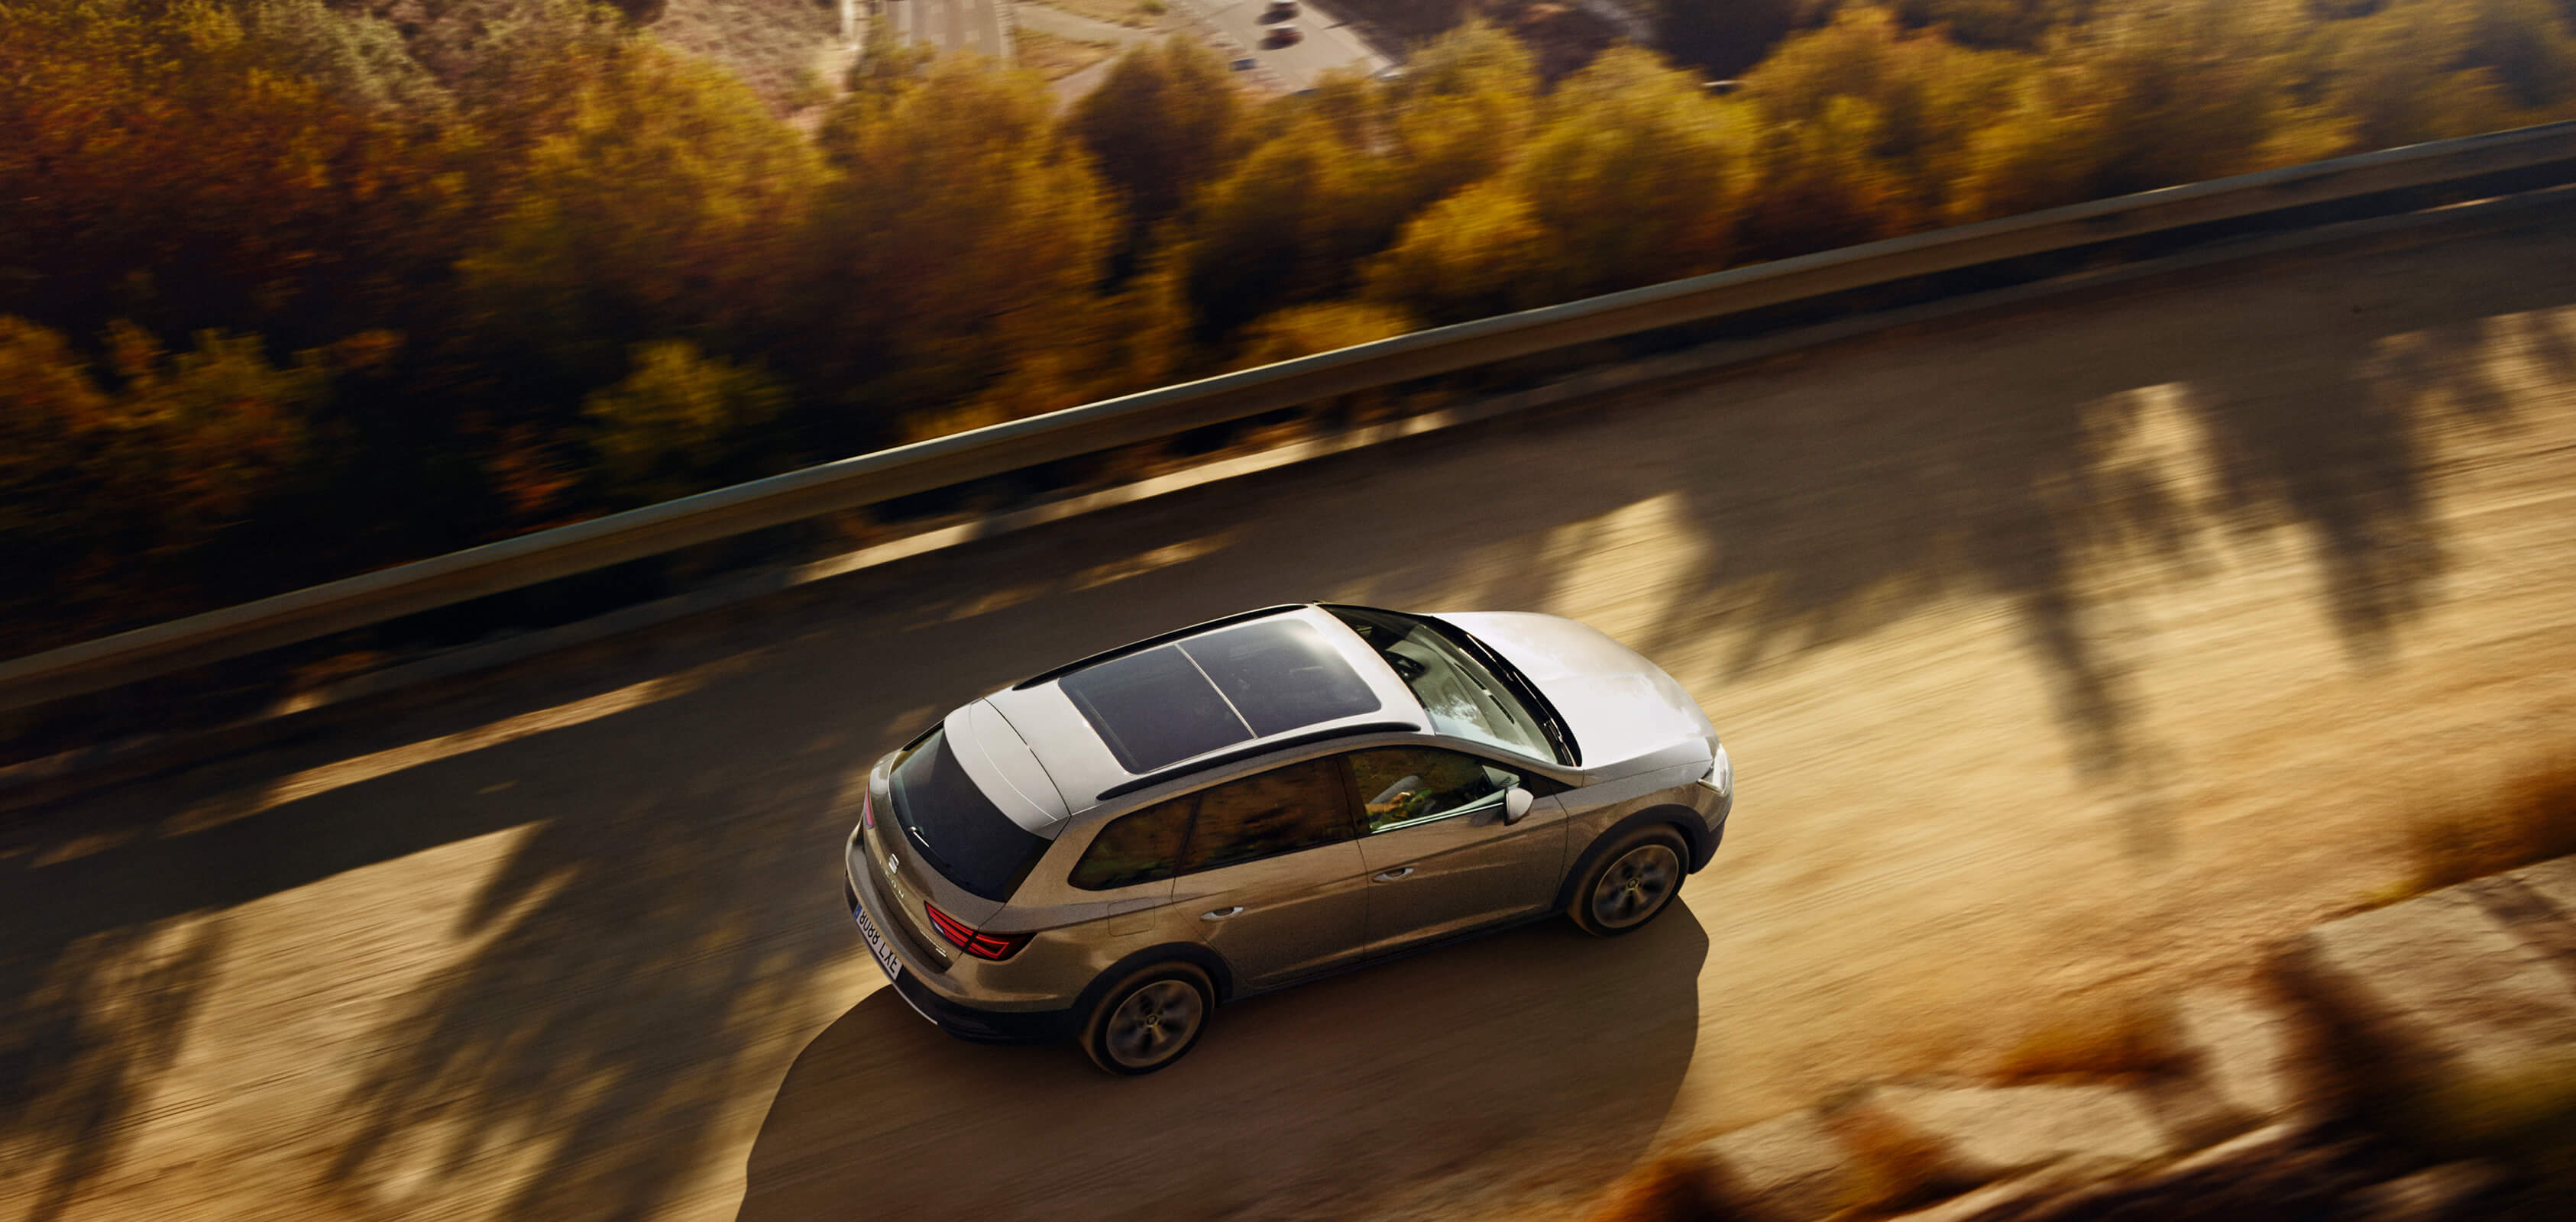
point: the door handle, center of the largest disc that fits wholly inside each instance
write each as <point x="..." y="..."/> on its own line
<point x="1221" y="913"/>
<point x="1392" y="875"/>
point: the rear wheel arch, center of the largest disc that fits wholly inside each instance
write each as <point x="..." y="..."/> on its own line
<point x="1190" y="953"/>
<point x="1681" y="819"/>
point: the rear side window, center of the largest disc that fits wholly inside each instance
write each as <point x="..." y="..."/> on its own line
<point x="1297" y="807"/>
<point x="956" y="828"/>
<point x="1280" y="811"/>
<point x="1142" y="847"/>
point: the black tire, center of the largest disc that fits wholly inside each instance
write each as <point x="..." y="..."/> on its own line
<point x="1631" y="883"/>
<point x="1143" y="1023"/>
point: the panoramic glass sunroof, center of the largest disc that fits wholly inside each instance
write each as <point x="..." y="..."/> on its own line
<point x="1175" y="701"/>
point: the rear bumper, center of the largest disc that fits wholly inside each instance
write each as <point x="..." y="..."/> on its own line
<point x="964" y="1021"/>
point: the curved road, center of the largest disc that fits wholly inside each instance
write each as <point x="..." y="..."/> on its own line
<point x="2065" y="655"/>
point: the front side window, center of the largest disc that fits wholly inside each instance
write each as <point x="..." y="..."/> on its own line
<point x="1142" y="847"/>
<point x="1461" y="696"/>
<point x="1280" y="811"/>
<point x="958" y="830"/>
<point x="1401" y="785"/>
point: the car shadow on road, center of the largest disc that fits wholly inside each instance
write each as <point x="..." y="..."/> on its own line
<point x="1535" y="1057"/>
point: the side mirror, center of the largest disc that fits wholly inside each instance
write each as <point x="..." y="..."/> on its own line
<point x="1516" y="805"/>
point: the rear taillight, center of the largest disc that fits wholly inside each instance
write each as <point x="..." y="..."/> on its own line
<point x="868" y="812"/>
<point x="981" y="945"/>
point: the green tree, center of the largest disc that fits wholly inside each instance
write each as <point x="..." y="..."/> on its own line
<point x="1342" y="171"/>
<point x="163" y="164"/>
<point x="1165" y="122"/>
<point x="670" y="203"/>
<point x="135" y="499"/>
<point x="2419" y="70"/>
<point x="680" y="422"/>
<point x="2526" y="44"/>
<point x="1321" y="327"/>
<point x="2147" y="95"/>
<point x="965" y="233"/>
<point x="1866" y="130"/>
<point x="1634" y="178"/>
<point x="211" y="434"/>
<point x="1288" y="225"/>
<point x="358" y="56"/>
<point x="1477" y="253"/>
<point x="2185" y="90"/>
<point x="1463" y="109"/>
<point x="54" y="424"/>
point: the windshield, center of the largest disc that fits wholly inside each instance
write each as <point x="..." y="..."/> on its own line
<point x="957" y="829"/>
<point x="1462" y="695"/>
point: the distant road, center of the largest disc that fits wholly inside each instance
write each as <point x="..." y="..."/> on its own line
<point x="1329" y="42"/>
<point x="952" y="25"/>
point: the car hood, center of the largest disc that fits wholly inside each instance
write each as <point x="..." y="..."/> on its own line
<point x="1626" y="713"/>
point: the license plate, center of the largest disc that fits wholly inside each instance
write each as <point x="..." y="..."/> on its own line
<point x="877" y="944"/>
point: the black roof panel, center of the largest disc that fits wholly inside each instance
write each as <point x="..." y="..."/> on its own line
<point x="1281" y="675"/>
<point x="1152" y="708"/>
<point x="1165" y="704"/>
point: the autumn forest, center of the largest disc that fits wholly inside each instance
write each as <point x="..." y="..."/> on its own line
<point x="289" y="291"/>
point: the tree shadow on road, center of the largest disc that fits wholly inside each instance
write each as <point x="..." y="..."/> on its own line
<point x="614" y="998"/>
<point x="1535" y="1060"/>
<point x="80" y="1047"/>
<point x="2082" y="455"/>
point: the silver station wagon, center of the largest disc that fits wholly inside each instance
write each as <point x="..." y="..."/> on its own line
<point x="1110" y="850"/>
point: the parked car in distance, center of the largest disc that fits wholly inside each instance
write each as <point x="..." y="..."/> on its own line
<point x="1279" y="10"/>
<point x="1284" y="35"/>
<point x="1111" y="850"/>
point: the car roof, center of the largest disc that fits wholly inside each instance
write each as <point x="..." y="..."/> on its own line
<point x="1218" y="689"/>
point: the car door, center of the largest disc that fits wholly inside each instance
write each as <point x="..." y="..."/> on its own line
<point x="1271" y="877"/>
<point x="1439" y="856"/>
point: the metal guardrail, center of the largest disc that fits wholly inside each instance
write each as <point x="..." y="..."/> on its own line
<point x="510" y="564"/>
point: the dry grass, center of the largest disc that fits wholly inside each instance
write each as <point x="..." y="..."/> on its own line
<point x="2530" y="817"/>
<point x="1894" y="1168"/>
<point x="769" y="43"/>
<point x="1055" y="57"/>
<point x="2113" y="1036"/>
<point x="1141" y="14"/>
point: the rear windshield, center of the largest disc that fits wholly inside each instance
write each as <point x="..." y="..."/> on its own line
<point x="957" y="829"/>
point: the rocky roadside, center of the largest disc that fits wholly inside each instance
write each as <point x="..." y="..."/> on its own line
<point x="2407" y="1064"/>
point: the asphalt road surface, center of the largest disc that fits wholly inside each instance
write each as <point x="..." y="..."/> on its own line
<point x="1328" y="43"/>
<point x="2062" y="653"/>
<point x="952" y="25"/>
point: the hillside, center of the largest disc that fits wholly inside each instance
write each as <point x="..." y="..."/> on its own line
<point x="769" y="43"/>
